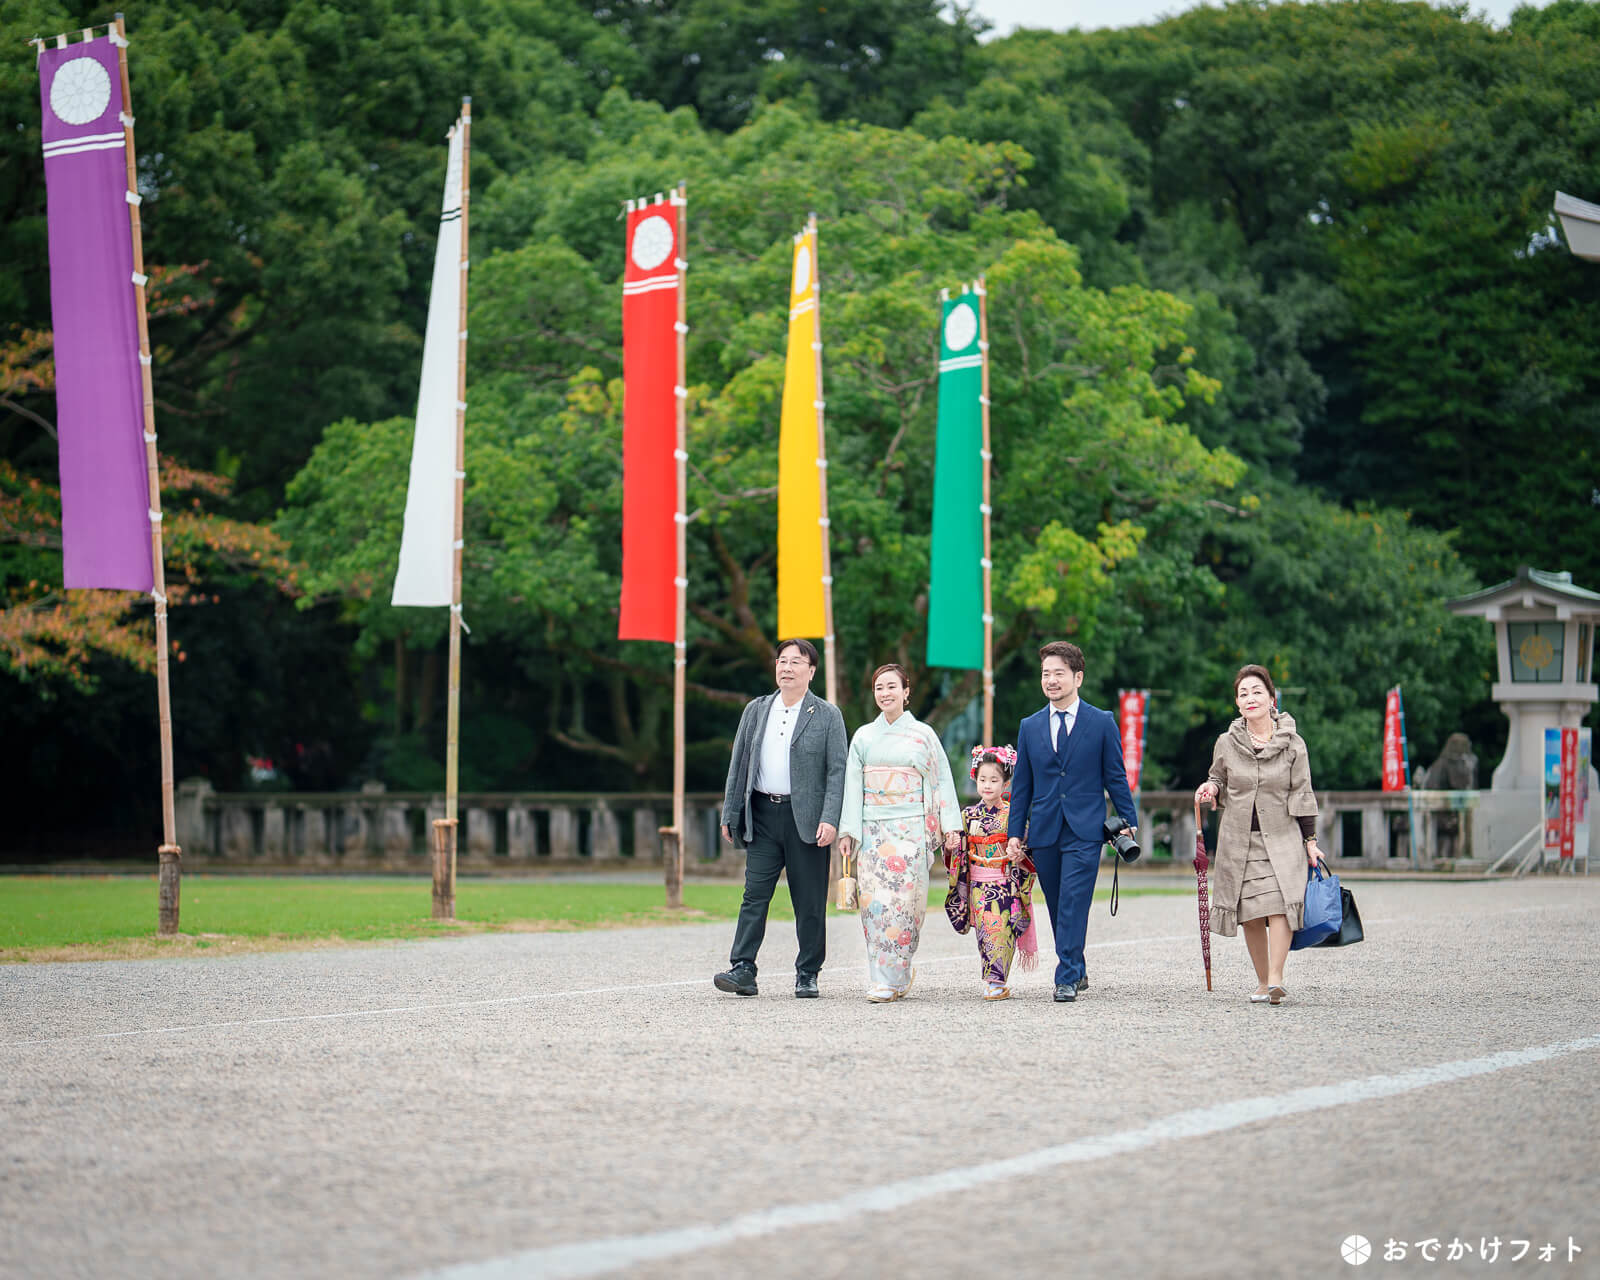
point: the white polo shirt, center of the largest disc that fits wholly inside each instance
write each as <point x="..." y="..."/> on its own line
<point x="772" y="769"/>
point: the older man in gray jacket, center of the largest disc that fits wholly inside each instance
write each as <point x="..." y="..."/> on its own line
<point x="785" y="789"/>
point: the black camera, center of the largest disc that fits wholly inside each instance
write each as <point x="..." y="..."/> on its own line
<point x="1116" y="835"/>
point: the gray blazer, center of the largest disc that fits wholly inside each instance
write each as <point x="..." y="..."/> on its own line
<point x="817" y="754"/>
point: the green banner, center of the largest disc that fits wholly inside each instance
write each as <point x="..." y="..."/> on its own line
<point x="955" y="579"/>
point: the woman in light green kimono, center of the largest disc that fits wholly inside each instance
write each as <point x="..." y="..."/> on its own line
<point x="900" y="804"/>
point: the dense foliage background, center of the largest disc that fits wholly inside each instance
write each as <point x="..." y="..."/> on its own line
<point x="1286" y="352"/>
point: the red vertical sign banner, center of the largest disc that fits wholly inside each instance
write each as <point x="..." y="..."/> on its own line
<point x="1568" y="796"/>
<point x="650" y="285"/>
<point x="1394" y="769"/>
<point x="1133" y="707"/>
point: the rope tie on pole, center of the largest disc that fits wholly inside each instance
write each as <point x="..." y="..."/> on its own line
<point x="456" y="609"/>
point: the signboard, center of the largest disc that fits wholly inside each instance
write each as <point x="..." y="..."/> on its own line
<point x="1567" y="754"/>
<point x="1133" y="706"/>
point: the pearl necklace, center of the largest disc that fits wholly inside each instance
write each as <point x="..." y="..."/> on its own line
<point x="1259" y="742"/>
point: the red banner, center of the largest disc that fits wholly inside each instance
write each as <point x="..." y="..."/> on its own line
<point x="1133" y="706"/>
<point x="1394" y="769"/>
<point x="1568" y="796"/>
<point x="650" y="288"/>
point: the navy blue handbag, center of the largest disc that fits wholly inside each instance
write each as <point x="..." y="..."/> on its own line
<point x="1324" y="909"/>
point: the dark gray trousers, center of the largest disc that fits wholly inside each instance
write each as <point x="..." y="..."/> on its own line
<point x="777" y="847"/>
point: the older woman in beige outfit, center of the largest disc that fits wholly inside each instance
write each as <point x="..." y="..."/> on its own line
<point x="1261" y="780"/>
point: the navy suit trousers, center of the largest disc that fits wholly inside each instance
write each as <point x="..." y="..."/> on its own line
<point x="1067" y="876"/>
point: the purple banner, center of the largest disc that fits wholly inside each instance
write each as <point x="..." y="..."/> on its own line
<point x="105" y="496"/>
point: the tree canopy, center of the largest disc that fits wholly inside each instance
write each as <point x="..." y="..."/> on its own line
<point x="1286" y="351"/>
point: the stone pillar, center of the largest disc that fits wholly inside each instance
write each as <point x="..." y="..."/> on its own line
<point x="1147" y="837"/>
<point x="394" y="831"/>
<point x="1183" y="835"/>
<point x="238" y="833"/>
<point x="605" y="838"/>
<point x="646" y="837"/>
<point x="194" y="835"/>
<point x="1330" y="827"/>
<point x="522" y="833"/>
<point x="697" y="820"/>
<point x="480" y="834"/>
<point x="1374" y="836"/>
<point x="314" y="832"/>
<point x="274" y="832"/>
<point x="355" y="832"/>
<point x="563" y="832"/>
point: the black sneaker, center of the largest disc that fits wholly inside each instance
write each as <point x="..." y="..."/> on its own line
<point x="740" y="980"/>
<point x="1083" y="983"/>
<point x="805" y="986"/>
<point x="1066" y="993"/>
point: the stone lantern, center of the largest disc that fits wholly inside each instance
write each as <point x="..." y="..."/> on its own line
<point x="1544" y="631"/>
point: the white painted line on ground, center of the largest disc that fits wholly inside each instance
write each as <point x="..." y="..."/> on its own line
<point x="598" y="1257"/>
<point x="391" y="1010"/>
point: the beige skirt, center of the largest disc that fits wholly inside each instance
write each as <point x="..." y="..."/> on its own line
<point x="1259" y="893"/>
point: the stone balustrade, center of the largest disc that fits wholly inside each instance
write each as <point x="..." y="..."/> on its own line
<point x="512" y="832"/>
<point x="1358" y="828"/>
<point x="379" y="830"/>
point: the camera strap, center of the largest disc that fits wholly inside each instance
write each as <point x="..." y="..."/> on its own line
<point x="1116" y="863"/>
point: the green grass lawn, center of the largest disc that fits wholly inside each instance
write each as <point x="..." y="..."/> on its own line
<point x="49" y="912"/>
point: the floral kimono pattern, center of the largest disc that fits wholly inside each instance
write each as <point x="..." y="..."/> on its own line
<point x="899" y="795"/>
<point x="990" y="891"/>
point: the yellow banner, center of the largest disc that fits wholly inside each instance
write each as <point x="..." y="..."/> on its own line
<point x="800" y="531"/>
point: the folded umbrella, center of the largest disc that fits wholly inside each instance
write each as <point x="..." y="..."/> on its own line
<point x="1201" y="863"/>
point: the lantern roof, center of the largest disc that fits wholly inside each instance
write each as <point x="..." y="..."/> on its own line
<point x="1530" y="589"/>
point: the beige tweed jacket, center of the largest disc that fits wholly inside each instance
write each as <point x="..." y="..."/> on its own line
<point x="1275" y="782"/>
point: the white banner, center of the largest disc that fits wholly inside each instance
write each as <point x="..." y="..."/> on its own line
<point x="426" y="552"/>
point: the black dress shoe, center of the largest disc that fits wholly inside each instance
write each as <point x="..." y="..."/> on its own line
<point x="740" y="980"/>
<point x="1083" y="983"/>
<point x="805" y="986"/>
<point x="1066" y="993"/>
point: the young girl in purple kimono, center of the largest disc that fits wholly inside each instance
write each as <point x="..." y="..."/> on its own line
<point x="989" y="890"/>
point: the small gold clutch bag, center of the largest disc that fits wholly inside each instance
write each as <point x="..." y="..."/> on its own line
<point x="847" y="888"/>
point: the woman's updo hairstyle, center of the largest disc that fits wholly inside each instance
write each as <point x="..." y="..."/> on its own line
<point x="1260" y="673"/>
<point x="896" y="668"/>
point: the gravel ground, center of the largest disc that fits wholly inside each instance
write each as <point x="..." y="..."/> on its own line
<point x="470" y="1105"/>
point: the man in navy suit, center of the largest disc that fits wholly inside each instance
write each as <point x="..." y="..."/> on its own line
<point x="1069" y="755"/>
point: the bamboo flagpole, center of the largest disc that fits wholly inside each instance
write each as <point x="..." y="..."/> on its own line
<point x="959" y="633"/>
<point x="987" y="508"/>
<point x="654" y="599"/>
<point x="110" y="480"/>
<point x="830" y="654"/>
<point x="171" y="855"/>
<point x="428" y="573"/>
<point x="673" y="849"/>
<point x="452" y="758"/>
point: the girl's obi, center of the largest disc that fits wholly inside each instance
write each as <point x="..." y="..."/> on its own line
<point x="988" y="852"/>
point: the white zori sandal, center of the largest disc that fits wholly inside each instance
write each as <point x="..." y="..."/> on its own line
<point x="996" y="991"/>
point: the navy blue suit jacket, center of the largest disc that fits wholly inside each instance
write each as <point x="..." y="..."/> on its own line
<point x="1062" y="794"/>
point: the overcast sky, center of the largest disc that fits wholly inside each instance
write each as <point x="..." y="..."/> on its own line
<point x="1062" y="14"/>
